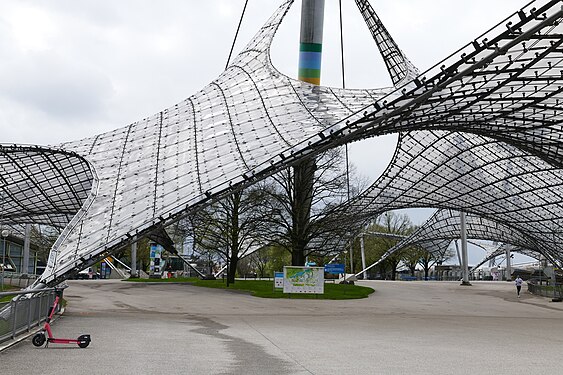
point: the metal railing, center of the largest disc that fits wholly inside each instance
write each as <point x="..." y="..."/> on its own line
<point x="25" y="312"/>
<point x="548" y="290"/>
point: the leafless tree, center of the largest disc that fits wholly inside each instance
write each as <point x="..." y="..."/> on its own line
<point x="231" y="227"/>
<point x="300" y="220"/>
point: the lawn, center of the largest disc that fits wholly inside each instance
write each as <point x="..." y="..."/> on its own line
<point x="265" y="288"/>
<point x="8" y="288"/>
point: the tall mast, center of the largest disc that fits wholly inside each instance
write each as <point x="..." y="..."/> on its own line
<point x="310" y="52"/>
<point x="311" y="41"/>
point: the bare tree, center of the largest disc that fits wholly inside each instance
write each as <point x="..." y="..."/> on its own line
<point x="428" y="259"/>
<point x="43" y="236"/>
<point x="259" y="260"/>
<point x="411" y="258"/>
<point x="375" y="247"/>
<point x="300" y="220"/>
<point x="231" y="227"/>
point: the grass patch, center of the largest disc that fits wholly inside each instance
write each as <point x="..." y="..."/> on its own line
<point x="8" y="288"/>
<point x="5" y="327"/>
<point x="265" y="288"/>
<point x="5" y="299"/>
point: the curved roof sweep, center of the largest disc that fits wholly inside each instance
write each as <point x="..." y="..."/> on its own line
<point x="399" y="67"/>
<point x="495" y="180"/>
<point x="478" y="175"/>
<point x="447" y="224"/>
<point x="250" y="121"/>
<point x="444" y="226"/>
<point x="253" y="121"/>
<point x="500" y="250"/>
<point x="506" y="84"/>
<point x="42" y="185"/>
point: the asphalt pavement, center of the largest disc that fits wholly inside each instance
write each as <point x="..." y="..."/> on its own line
<point x="402" y="328"/>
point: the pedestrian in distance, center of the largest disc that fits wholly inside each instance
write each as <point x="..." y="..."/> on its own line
<point x="518" y="283"/>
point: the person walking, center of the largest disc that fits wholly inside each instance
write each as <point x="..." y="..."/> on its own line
<point x="518" y="283"/>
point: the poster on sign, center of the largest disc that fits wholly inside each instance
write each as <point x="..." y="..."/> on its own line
<point x="278" y="280"/>
<point x="303" y="280"/>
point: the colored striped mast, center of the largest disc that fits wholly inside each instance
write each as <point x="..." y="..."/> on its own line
<point x="311" y="41"/>
<point x="310" y="53"/>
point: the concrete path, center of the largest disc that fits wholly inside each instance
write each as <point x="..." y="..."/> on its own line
<point x="403" y="328"/>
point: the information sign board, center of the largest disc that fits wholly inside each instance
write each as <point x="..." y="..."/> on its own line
<point x="278" y="280"/>
<point x="303" y="280"/>
<point x="334" y="268"/>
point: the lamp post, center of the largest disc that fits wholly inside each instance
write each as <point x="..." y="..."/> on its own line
<point x="5" y="234"/>
<point x="555" y="233"/>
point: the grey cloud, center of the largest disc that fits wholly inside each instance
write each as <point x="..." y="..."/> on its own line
<point x="56" y="86"/>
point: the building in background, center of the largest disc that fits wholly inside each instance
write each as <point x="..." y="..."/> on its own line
<point x="13" y="255"/>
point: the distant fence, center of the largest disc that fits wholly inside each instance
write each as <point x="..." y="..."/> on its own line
<point x="18" y="279"/>
<point x="25" y="312"/>
<point x="548" y="290"/>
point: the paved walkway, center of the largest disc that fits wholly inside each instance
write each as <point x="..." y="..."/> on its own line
<point x="403" y="328"/>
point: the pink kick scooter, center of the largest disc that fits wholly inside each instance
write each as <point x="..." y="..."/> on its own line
<point x="40" y="338"/>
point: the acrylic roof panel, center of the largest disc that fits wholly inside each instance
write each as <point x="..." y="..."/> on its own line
<point x="42" y="185"/>
<point x="444" y="226"/>
<point x="253" y="121"/>
<point x="489" y="179"/>
<point x="155" y="169"/>
<point x="500" y="250"/>
<point x="517" y="183"/>
<point x="506" y="84"/>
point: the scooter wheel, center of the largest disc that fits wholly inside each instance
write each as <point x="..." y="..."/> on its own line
<point x="84" y="344"/>
<point x="83" y="340"/>
<point x="38" y="339"/>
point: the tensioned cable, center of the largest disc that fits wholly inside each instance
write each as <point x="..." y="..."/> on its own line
<point x="345" y="145"/>
<point x="344" y="86"/>
<point x="341" y="44"/>
<point x="236" y="34"/>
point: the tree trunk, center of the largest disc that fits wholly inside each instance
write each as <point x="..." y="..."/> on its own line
<point x="233" y="261"/>
<point x="233" y="234"/>
<point x="303" y="178"/>
<point x="298" y="257"/>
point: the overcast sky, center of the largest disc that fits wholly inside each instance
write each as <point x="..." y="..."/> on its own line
<point x="72" y="69"/>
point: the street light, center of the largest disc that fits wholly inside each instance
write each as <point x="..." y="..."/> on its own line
<point x="5" y="233"/>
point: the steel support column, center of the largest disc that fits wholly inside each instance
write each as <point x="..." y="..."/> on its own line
<point x="134" y="259"/>
<point x="465" y="266"/>
<point x="26" y="241"/>
<point x="508" y="266"/>
<point x="363" y="254"/>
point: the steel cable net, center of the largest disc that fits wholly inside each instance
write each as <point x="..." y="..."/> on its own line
<point x="444" y="226"/>
<point x="154" y="170"/>
<point x="400" y="69"/>
<point x="494" y="251"/>
<point x="253" y="121"/>
<point x="505" y="84"/>
<point x="492" y="180"/>
<point x="508" y="89"/>
<point x="42" y="185"/>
